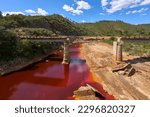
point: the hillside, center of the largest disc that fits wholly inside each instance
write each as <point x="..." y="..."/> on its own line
<point x="114" y="28"/>
<point x="53" y="24"/>
<point x="58" y="25"/>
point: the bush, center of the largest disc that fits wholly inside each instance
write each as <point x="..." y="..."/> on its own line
<point x="8" y="43"/>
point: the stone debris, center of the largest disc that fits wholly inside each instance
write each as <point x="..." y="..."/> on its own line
<point x="88" y="93"/>
<point x="124" y="69"/>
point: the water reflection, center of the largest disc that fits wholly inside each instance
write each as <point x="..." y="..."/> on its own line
<point x="77" y="61"/>
<point x="45" y="80"/>
<point x="48" y="80"/>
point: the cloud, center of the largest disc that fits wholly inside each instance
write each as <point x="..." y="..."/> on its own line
<point x="30" y="11"/>
<point x="137" y="11"/>
<point x="101" y="13"/>
<point x="83" y="21"/>
<point x="39" y="11"/>
<point x="12" y="13"/>
<point x="81" y="5"/>
<point x="117" y="5"/>
<point x="68" y="8"/>
<point x="145" y="2"/>
<point x="63" y="15"/>
<point x="72" y="10"/>
<point x="144" y="14"/>
<point x="104" y="3"/>
<point x="113" y="6"/>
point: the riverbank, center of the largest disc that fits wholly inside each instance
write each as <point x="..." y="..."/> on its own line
<point x="20" y="63"/>
<point x="99" y="57"/>
<point x="48" y="79"/>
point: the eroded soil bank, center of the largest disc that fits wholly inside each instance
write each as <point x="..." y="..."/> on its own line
<point x="99" y="57"/>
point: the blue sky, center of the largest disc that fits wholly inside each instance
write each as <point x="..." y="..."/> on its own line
<point x="131" y="11"/>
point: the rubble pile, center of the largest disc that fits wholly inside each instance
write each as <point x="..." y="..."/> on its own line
<point x="124" y="69"/>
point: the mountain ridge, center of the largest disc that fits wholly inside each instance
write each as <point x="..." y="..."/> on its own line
<point x="58" y="25"/>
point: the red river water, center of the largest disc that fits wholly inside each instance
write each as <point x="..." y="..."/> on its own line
<point x="49" y="79"/>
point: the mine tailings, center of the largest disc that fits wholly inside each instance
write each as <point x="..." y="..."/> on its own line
<point x="49" y="79"/>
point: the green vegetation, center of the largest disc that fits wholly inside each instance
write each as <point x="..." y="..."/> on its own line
<point x="137" y="48"/>
<point x="109" y="41"/>
<point x="11" y="48"/>
<point x="8" y="44"/>
<point x="116" y="28"/>
<point x="55" y="24"/>
<point x="34" y="32"/>
<point x="58" y="25"/>
<point x="0" y="14"/>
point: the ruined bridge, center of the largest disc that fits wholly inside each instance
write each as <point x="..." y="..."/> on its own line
<point x="135" y="39"/>
<point x="67" y="40"/>
<point x="48" y="38"/>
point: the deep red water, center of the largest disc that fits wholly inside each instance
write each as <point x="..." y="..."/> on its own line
<point x="48" y="80"/>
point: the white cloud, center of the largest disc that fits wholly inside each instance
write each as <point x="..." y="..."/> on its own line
<point x="72" y="10"/>
<point x="83" y="21"/>
<point x="39" y="11"/>
<point x="112" y="6"/>
<point x="137" y="11"/>
<point x="62" y="15"/>
<point x="81" y="5"/>
<point x="117" y="5"/>
<point x="30" y="11"/>
<point x="145" y="2"/>
<point x="101" y="13"/>
<point x="142" y="10"/>
<point x="12" y="13"/>
<point x="144" y="14"/>
<point x="104" y="3"/>
<point x="42" y="12"/>
<point x="68" y="8"/>
<point x="77" y="11"/>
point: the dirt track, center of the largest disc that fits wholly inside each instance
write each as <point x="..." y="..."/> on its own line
<point x="99" y="57"/>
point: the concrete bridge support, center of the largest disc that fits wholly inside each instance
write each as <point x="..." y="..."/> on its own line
<point x="117" y="50"/>
<point x="66" y="53"/>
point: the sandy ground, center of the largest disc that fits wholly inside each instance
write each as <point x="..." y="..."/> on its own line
<point x="100" y="58"/>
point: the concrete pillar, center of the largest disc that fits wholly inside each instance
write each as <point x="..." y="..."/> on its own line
<point x="68" y="40"/>
<point x="119" y="39"/>
<point x="119" y="52"/>
<point x="66" y="54"/>
<point x="115" y="49"/>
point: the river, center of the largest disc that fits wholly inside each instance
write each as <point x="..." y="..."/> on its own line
<point x="48" y="79"/>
